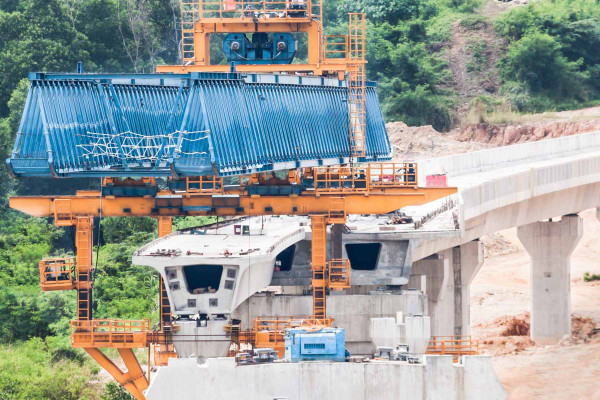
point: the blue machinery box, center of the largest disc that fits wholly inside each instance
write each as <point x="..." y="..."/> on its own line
<point x="327" y="344"/>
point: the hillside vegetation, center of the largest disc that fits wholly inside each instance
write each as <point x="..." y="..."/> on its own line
<point x="543" y="56"/>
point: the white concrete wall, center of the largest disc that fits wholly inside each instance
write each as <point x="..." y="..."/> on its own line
<point x="436" y="379"/>
<point x="352" y="312"/>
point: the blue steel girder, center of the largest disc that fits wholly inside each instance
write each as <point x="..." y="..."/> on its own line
<point x="187" y="125"/>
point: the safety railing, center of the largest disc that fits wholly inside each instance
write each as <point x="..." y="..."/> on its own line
<point x="392" y="174"/>
<point x="295" y="9"/>
<point x="335" y="47"/>
<point x="365" y="177"/>
<point x="341" y="179"/>
<point x="339" y="274"/>
<point x="57" y="274"/>
<point x="108" y="333"/>
<point x="204" y="184"/>
<point x="455" y="346"/>
<point x="280" y="324"/>
<point x="269" y="331"/>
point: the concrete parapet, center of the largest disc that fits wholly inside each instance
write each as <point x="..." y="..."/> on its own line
<point x="550" y="244"/>
<point x="437" y="378"/>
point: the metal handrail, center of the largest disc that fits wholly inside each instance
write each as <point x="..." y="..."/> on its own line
<point x="109" y="333"/>
<point x="295" y="9"/>
<point x="363" y="178"/>
<point x="333" y="47"/>
<point x="453" y="345"/>
<point x="57" y="271"/>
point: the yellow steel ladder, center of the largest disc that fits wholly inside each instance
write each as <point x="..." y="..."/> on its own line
<point x="190" y="13"/>
<point x="319" y="264"/>
<point x="356" y="84"/>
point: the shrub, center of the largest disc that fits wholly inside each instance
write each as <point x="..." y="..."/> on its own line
<point x="587" y="277"/>
<point x="537" y="62"/>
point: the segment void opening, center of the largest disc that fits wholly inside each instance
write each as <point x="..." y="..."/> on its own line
<point x="285" y="259"/>
<point x="202" y="278"/>
<point x="363" y="256"/>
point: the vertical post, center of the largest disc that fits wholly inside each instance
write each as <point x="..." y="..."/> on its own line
<point x="318" y="265"/>
<point x="83" y="242"/>
<point x="165" y="227"/>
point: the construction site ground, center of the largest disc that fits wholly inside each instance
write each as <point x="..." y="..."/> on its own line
<point x="500" y="297"/>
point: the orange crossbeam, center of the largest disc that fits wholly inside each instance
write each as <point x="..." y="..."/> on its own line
<point x="87" y="203"/>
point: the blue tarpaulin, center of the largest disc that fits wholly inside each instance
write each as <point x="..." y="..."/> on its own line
<point x="187" y="125"/>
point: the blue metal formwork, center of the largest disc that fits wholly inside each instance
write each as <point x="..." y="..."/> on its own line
<point x="187" y="125"/>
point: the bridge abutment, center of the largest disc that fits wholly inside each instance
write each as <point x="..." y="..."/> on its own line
<point x="550" y="245"/>
<point x="448" y="276"/>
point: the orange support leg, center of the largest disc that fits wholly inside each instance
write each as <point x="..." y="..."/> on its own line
<point x="318" y="265"/>
<point x="133" y="380"/>
<point x="83" y="242"/>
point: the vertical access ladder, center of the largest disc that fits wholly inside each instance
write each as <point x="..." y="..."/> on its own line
<point x="356" y="84"/>
<point x="190" y="13"/>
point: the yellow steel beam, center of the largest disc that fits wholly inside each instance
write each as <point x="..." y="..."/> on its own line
<point x="88" y="203"/>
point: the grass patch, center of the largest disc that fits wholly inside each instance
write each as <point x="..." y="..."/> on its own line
<point x="473" y="22"/>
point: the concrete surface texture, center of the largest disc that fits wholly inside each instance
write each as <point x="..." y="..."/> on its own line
<point x="239" y="265"/>
<point x="414" y="331"/>
<point x="351" y="312"/>
<point x="550" y="245"/>
<point x="448" y="277"/>
<point x="436" y="379"/>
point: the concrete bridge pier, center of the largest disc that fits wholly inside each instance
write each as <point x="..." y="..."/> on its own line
<point x="550" y="245"/>
<point x="446" y="278"/>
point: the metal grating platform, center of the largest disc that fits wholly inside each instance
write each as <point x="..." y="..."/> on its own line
<point x="188" y="125"/>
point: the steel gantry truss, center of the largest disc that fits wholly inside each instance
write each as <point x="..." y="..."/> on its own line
<point x="327" y="195"/>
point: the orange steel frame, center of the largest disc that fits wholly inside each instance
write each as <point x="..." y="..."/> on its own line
<point x="327" y="55"/>
<point x="329" y="207"/>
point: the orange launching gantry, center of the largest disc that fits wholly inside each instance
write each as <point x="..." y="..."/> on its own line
<point x="326" y="194"/>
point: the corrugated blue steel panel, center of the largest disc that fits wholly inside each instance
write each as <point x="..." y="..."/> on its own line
<point x="196" y="124"/>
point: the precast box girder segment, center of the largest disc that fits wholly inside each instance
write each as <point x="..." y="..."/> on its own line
<point x="187" y="125"/>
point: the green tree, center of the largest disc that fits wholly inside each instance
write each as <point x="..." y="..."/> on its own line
<point x="536" y="61"/>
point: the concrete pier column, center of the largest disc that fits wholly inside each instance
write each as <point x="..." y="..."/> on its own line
<point x="550" y="244"/>
<point x="436" y="269"/>
<point x="467" y="260"/>
<point x="448" y="276"/>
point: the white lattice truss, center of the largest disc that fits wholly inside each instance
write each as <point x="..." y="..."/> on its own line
<point x="136" y="147"/>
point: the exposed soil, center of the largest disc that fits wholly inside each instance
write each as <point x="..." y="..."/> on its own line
<point x="500" y="298"/>
<point x="502" y="135"/>
<point x="414" y="143"/>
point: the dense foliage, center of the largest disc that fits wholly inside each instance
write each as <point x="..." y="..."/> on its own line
<point x="549" y="59"/>
<point x="552" y="60"/>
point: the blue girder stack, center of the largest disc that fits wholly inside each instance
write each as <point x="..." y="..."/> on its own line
<point x="187" y="125"/>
